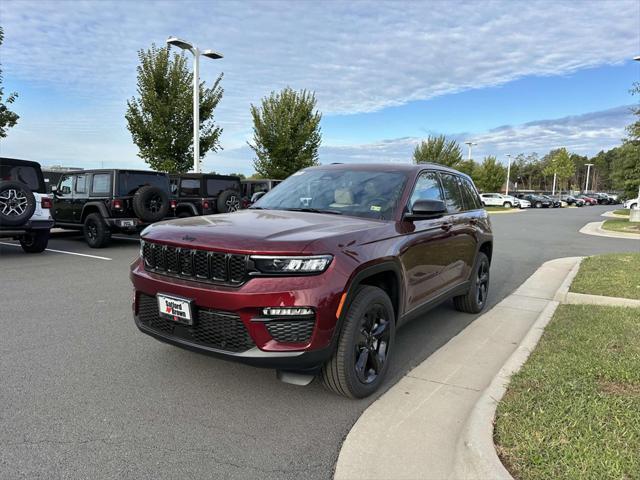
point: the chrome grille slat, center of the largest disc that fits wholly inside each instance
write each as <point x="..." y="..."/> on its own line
<point x="195" y="264"/>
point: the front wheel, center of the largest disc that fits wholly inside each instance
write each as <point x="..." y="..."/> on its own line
<point x="507" y="205"/>
<point x="476" y="297"/>
<point x="35" y="242"/>
<point x="360" y="362"/>
<point x="538" y="205"/>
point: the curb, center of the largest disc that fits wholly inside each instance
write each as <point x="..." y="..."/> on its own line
<point x="513" y="210"/>
<point x="476" y="456"/>
<point x="595" y="228"/>
<point x="587" y="299"/>
<point x="610" y="214"/>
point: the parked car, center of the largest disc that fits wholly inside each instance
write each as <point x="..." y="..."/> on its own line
<point x="24" y="204"/>
<point x="253" y="189"/>
<point x="499" y="200"/>
<point x="316" y="276"/>
<point x="571" y="200"/>
<point x="522" y="203"/>
<point x="205" y="194"/>
<point x="101" y="202"/>
<point x="555" y="203"/>
<point x="631" y="203"/>
<point x="536" y="201"/>
<point x="587" y="199"/>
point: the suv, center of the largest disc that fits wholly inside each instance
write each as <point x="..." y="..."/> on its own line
<point x="499" y="200"/>
<point x="204" y="194"/>
<point x="101" y="202"/>
<point x="317" y="275"/>
<point x="24" y="204"/>
<point x="253" y="189"/>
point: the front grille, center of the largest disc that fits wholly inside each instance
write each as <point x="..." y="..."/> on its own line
<point x="290" y="330"/>
<point x="220" y="330"/>
<point x="193" y="264"/>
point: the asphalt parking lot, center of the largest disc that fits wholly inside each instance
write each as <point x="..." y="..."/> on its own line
<point x="85" y="395"/>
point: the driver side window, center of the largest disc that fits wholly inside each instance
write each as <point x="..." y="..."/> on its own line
<point x="427" y="188"/>
<point x="65" y="184"/>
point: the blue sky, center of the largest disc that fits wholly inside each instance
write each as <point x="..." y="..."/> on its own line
<point x="513" y="76"/>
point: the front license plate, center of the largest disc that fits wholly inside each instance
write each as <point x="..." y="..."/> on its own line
<point x="176" y="309"/>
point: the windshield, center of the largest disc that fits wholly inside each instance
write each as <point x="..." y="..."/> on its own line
<point x="129" y="182"/>
<point x="360" y="193"/>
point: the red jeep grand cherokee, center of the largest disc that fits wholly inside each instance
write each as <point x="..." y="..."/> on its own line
<point x="318" y="274"/>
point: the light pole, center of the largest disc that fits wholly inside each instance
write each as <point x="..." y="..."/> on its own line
<point x="508" y="173"/>
<point x="184" y="45"/>
<point x="586" y="186"/>
<point x="470" y="144"/>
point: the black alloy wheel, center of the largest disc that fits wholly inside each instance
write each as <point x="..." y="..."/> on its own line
<point x="372" y="345"/>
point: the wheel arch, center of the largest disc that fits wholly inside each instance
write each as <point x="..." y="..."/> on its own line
<point x="93" y="207"/>
<point x="487" y="249"/>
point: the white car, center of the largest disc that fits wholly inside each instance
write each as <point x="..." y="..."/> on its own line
<point x="631" y="203"/>
<point x="499" y="200"/>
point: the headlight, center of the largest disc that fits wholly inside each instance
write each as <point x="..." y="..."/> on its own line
<point x="301" y="265"/>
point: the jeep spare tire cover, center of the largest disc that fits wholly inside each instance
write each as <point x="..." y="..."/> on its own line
<point x="228" y="201"/>
<point x="17" y="204"/>
<point x="151" y="204"/>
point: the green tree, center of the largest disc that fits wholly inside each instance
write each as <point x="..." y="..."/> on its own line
<point x="286" y="133"/>
<point x="490" y="175"/>
<point x="161" y="118"/>
<point x="559" y="162"/>
<point x="437" y="149"/>
<point x="8" y="118"/>
<point x="467" y="166"/>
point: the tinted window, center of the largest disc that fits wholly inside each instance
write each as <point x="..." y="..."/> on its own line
<point x="469" y="195"/>
<point x="427" y="188"/>
<point x="21" y="173"/>
<point x="190" y="187"/>
<point x="81" y="184"/>
<point x="101" y="183"/>
<point x="259" y="187"/>
<point x="173" y="186"/>
<point x="66" y="182"/>
<point x="217" y="185"/>
<point x="453" y="196"/>
<point x="129" y="182"/>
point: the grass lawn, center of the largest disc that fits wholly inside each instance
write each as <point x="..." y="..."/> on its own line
<point x="499" y="209"/>
<point x="612" y="275"/>
<point x="624" y="211"/>
<point x="573" y="411"/>
<point x="621" y="225"/>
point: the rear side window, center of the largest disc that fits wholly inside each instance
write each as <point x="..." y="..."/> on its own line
<point x="216" y="185"/>
<point x="452" y="193"/>
<point x="130" y="182"/>
<point x="22" y="173"/>
<point x="81" y="184"/>
<point x="101" y="183"/>
<point x="190" y="187"/>
<point x="469" y="194"/>
<point x="427" y="188"/>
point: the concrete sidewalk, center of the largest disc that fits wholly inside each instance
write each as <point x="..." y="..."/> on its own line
<point x="412" y="431"/>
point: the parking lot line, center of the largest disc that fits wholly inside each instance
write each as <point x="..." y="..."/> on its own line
<point x="62" y="251"/>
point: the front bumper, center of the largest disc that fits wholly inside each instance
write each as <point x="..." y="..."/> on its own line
<point x="245" y="304"/>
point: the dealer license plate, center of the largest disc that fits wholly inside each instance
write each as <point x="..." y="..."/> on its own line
<point x="175" y="308"/>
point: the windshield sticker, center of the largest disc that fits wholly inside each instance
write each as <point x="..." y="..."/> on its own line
<point x="376" y="208"/>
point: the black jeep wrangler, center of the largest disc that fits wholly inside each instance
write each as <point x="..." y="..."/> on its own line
<point x="204" y="194"/>
<point x="101" y="202"/>
<point x="24" y="204"/>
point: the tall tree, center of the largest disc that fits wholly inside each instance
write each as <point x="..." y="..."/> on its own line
<point x="161" y="118"/>
<point x="286" y="133"/>
<point x="437" y="149"/>
<point x="490" y="175"/>
<point x="559" y="163"/>
<point x="8" y="118"/>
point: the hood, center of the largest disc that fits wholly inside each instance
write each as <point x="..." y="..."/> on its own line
<point x="259" y="231"/>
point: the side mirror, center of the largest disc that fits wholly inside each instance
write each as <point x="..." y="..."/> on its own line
<point x="257" y="196"/>
<point x="425" y="209"/>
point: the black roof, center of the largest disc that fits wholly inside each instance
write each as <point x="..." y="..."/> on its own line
<point x="389" y="166"/>
<point x="16" y="161"/>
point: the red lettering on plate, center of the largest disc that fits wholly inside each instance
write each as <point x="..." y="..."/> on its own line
<point x="168" y="309"/>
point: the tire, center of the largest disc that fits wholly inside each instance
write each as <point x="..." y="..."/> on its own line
<point x="538" y="204"/>
<point x="340" y="374"/>
<point x="632" y="206"/>
<point x="17" y="204"/>
<point x="151" y="204"/>
<point x="507" y="205"/>
<point x="228" y="201"/>
<point x="35" y="241"/>
<point x="476" y="298"/>
<point x="96" y="232"/>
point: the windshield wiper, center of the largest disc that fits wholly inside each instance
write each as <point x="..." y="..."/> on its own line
<point x="312" y="210"/>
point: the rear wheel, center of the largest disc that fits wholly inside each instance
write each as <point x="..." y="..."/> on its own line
<point x="360" y="362"/>
<point x="476" y="297"/>
<point x="538" y="204"/>
<point x="35" y="241"/>
<point x="507" y="205"/>
<point x="228" y="201"/>
<point x="96" y="232"/>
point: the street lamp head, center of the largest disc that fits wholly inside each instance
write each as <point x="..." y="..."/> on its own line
<point x="211" y="54"/>
<point x="177" y="42"/>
